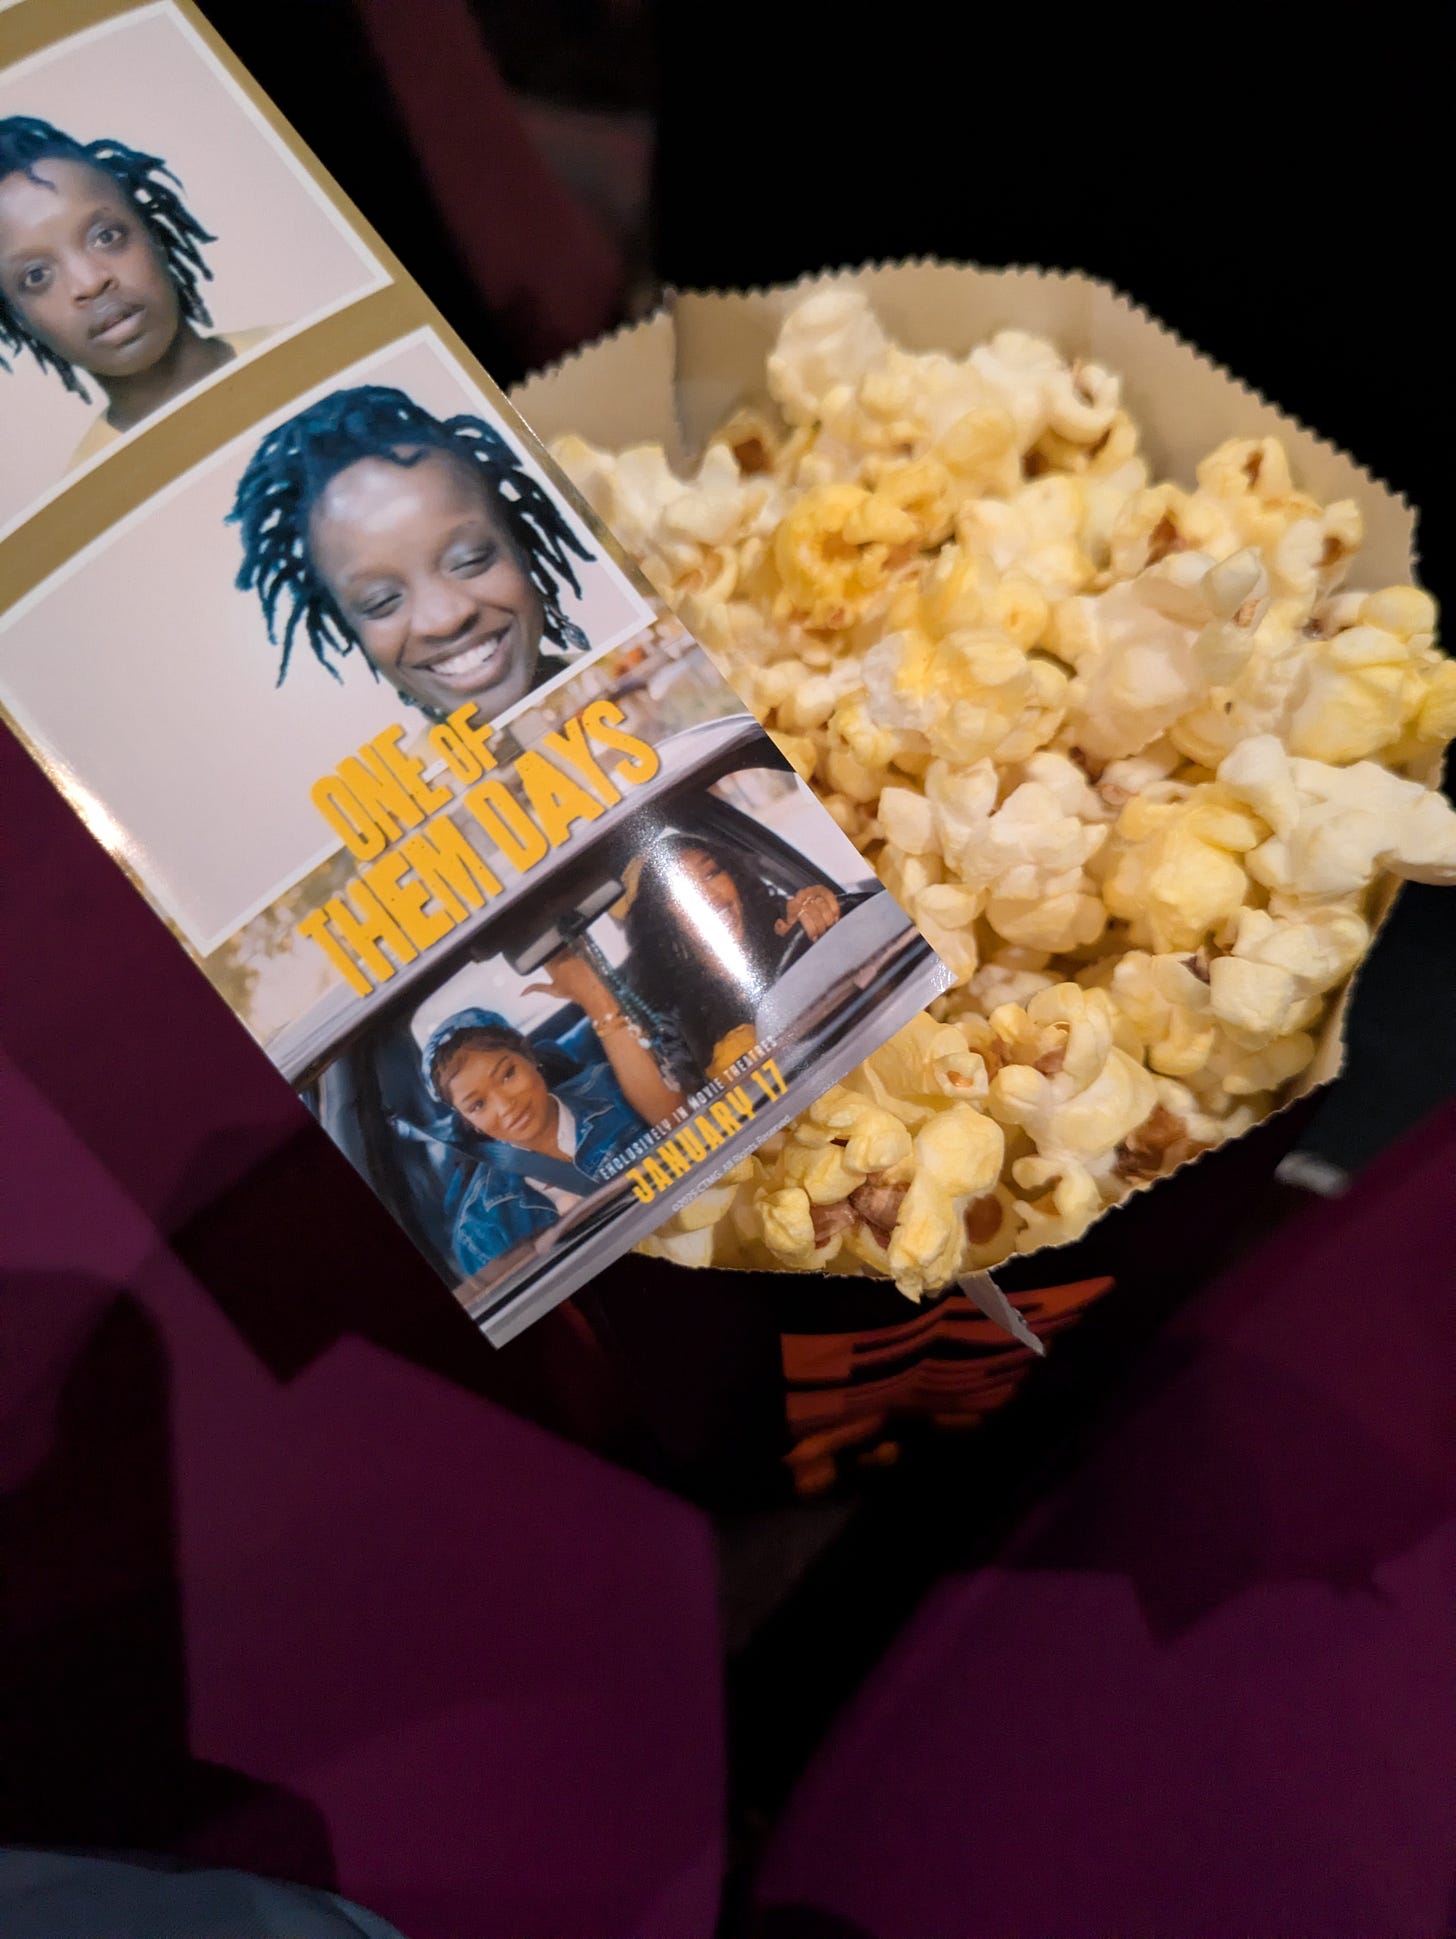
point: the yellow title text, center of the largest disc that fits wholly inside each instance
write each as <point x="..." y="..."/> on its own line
<point x="421" y="874"/>
<point x="694" y="1142"/>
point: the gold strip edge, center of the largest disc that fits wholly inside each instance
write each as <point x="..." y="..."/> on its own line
<point x="33" y="554"/>
<point x="156" y="457"/>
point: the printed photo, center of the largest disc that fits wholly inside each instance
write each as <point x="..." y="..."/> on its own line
<point x="369" y="523"/>
<point x="462" y="824"/>
<point x="375" y="557"/>
<point x="154" y="232"/>
<point x="622" y="1020"/>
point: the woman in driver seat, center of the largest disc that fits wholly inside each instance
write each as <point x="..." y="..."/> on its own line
<point x="709" y="937"/>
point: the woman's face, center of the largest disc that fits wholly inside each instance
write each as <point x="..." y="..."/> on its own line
<point x="501" y="1094"/>
<point x="422" y="569"/>
<point x="709" y="897"/>
<point x="81" y="272"/>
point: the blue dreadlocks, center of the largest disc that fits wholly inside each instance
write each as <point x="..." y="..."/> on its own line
<point x="25" y="142"/>
<point x="293" y="466"/>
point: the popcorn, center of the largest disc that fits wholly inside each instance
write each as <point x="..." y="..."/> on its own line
<point x="1258" y="700"/>
<point x="824" y="1175"/>
<point x="908" y="820"/>
<point x="1024" y="861"/>
<point x="833" y="552"/>
<point x="969" y="696"/>
<point x="694" y="1249"/>
<point x="1036" y="532"/>
<point x="944" y="913"/>
<point x="690" y="1237"/>
<point x="1178" y="869"/>
<point x="1335" y="827"/>
<point x="877" y="1139"/>
<point x="908" y="1076"/>
<point x="690" y="539"/>
<point x="1374" y="683"/>
<point x="1150" y="649"/>
<point x="922" y="488"/>
<point x="1317" y="948"/>
<point x="1068" y="1201"/>
<point x="828" y="342"/>
<point x="1249" y="479"/>
<point x="1009" y="977"/>
<point x="788" y="1226"/>
<point x="1164" y="1002"/>
<point x="1031" y="826"/>
<point x="1130" y="751"/>
<point x="1251" y="1073"/>
<point x="1042" y="393"/>
<point x="991" y="1229"/>
<point x="957" y="1158"/>
<point x="1079" y="1113"/>
<point x="1310" y="554"/>
<point x="1255" y="998"/>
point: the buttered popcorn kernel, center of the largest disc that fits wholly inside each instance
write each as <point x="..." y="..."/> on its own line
<point x="1133" y="753"/>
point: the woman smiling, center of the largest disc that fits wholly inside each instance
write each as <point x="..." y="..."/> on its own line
<point x="544" y="1130"/>
<point x="368" y="523"/>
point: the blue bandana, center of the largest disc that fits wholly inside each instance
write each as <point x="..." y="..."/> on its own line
<point x="456" y="1026"/>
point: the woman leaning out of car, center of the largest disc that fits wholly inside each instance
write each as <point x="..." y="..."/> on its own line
<point x="544" y="1130"/>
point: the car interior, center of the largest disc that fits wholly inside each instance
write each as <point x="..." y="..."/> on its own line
<point x="373" y="1097"/>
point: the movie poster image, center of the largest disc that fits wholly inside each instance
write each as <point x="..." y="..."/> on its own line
<point x="462" y="823"/>
<point x="155" y="236"/>
<point x="640" y="1003"/>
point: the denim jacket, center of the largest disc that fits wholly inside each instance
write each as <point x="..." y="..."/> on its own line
<point x="497" y="1205"/>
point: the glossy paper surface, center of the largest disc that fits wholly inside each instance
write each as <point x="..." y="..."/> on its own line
<point x="301" y="618"/>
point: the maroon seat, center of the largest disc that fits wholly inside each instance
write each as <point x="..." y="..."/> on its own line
<point x="545" y="264"/>
<point x="314" y="1611"/>
<point x="1211" y="1688"/>
<point x="360" y="1628"/>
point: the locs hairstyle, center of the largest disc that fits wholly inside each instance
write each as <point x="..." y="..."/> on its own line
<point x="26" y="143"/>
<point x="295" y="463"/>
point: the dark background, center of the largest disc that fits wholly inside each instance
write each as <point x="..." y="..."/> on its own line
<point x="1270" y="184"/>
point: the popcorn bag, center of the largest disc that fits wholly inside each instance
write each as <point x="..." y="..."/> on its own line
<point x="1117" y="676"/>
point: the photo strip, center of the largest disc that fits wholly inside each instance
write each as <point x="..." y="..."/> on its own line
<point x="457" y="817"/>
<point x="463" y="824"/>
<point x="155" y="233"/>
